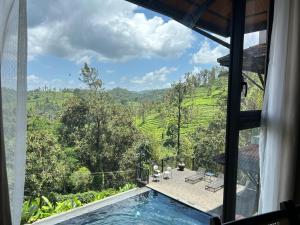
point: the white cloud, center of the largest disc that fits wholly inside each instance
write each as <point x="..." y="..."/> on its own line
<point x="32" y="78"/>
<point x="35" y="82"/>
<point x="226" y="39"/>
<point x="110" y="30"/>
<point x="155" y="77"/>
<point x="111" y="83"/>
<point x="196" y="69"/>
<point x="123" y="78"/>
<point x="208" y="54"/>
<point x="109" y="71"/>
<point x="251" y="39"/>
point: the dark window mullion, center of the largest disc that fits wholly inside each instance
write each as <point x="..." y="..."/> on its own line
<point x="233" y="108"/>
<point x="269" y="33"/>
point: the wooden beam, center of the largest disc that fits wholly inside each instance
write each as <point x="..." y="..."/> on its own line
<point x="180" y="16"/>
<point x="199" y="11"/>
<point x="261" y="79"/>
<point x="212" y="37"/>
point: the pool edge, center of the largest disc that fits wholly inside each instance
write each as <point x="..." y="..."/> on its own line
<point x="70" y="214"/>
<point x="186" y="203"/>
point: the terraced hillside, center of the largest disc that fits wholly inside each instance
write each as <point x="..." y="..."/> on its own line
<point x="152" y="113"/>
<point x="203" y="108"/>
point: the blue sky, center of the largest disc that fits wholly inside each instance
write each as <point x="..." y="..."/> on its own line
<point x="132" y="47"/>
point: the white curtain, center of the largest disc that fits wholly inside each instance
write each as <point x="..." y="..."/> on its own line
<point x="280" y="116"/>
<point x="13" y="59"/>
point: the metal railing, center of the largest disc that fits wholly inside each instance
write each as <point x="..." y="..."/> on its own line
<point x="112" y="179"/>
<point x="142" y="176"/>
<point x="174" y="160"/>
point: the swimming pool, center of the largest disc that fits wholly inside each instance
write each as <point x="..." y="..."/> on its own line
<point x="148" y="208"/>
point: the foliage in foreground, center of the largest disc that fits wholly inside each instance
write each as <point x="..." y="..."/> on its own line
<point x="43" y="207"/>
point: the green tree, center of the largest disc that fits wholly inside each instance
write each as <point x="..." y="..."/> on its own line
<point x="209" y="143"/>
<point x="176" y="96"/>
<point x="97" y="126"/>
<point x="45" y="171"/>
<point x="81" y="179"/>
<point x="101" y="130"/>
<point x="171" y="140"/>
<point x="90" y="77"/>
<point x="73" y="120"/>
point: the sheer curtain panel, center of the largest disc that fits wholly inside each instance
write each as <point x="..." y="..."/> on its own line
<point x="13" y="60"/>
<point x="280" y="117"/>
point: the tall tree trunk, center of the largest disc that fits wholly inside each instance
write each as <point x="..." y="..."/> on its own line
<point x="98" y="142"/>
<point x="143" y="115"/>
<point x="179" y="122"/>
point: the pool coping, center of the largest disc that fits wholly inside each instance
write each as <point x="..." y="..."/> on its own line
<point x="70" y="214"/>
<point x="186" y="203"/>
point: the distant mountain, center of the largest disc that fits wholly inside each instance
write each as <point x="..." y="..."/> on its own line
<point x="154" y="95"/>
<point x="125" y="96"/>
<point x="204" y="106"/>
<point x="51" y="102"/>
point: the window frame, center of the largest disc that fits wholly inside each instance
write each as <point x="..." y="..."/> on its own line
<point x="238" y="120"/>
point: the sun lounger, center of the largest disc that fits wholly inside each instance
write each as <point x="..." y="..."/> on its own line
<point x="156" y="177"/>
<point x="156" y="174"/>
<point x="168" y="173"/>
<point x="197" y="177"/>
<point x="216" y="185"/>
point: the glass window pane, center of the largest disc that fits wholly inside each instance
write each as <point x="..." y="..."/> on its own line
<point x="248" y="174"/>
<point x="255" y="49"/>
<point x="253" y="78"/>
<point x="149" y="106"/>
<point x="253" y="70"/>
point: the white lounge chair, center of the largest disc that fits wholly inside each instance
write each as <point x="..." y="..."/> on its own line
<point x="167" y="173"/>
<point x="156" y="173"/>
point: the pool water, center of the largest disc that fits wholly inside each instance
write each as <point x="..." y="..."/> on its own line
<point x="149" y="208"/>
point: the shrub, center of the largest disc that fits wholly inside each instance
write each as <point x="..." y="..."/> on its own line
<point x="84" y="197"/>
<point x="81" y="179"/>
<point x="127" y="187"/>
<point x="41" y="207"/>
<point x="90" y="196"/>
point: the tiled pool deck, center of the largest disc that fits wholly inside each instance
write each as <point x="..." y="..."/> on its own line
<point x="194" y="195"/>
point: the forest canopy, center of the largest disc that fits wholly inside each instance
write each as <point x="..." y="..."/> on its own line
<point x="93" y="138"/>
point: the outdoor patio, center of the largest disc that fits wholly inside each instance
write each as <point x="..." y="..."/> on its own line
<point x="194" y="195"/>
